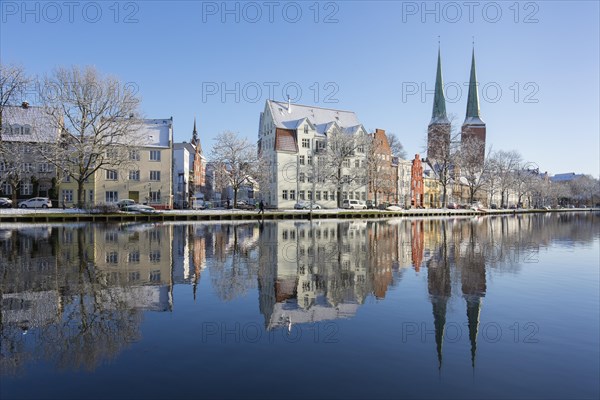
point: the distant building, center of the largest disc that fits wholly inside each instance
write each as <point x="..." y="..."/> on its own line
<point x="403" y="168"/>
<point x="416" y="182"/>
<point x="189" y="171"/>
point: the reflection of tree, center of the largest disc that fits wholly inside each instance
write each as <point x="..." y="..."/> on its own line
<point x="75" y="317"/>
<point x="235" y="270"/>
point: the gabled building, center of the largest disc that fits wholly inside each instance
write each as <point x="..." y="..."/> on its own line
<point x="293" y="140"/>
<point x="384" y="170"/>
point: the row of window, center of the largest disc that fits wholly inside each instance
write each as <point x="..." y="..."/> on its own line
<point x="16" y="130"/>
<point x="27" y="167"/>
<point x="112" y="257"/>
<point x="112" y="196"/>
<point x="26" y="189"/>
<point x="134" y="155"/>
<point x="308" y="195"/>
<point x="113" y="175"/>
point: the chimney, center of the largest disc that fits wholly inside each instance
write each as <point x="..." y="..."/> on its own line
<point x="289" y="105"/>
<point x="25" y="104"/>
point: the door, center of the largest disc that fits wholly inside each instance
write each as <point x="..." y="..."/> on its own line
<point x="135" y="196"/>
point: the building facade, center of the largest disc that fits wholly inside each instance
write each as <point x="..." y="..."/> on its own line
<point x="23" y="171"/>
<point x="293" y="141"/>
<point x="146" y="177"/>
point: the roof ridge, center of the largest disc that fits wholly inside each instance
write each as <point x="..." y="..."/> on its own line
<point x="307" y="106"/>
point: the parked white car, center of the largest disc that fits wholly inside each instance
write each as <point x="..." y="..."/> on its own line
<point x="306" y="205"/>
<point x="354" y="205"/>
<point x="36" y="202"/>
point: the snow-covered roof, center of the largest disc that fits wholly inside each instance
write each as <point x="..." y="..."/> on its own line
<point x="29" y="124"/>
<point x="473" y="121"/>
<point x="566" y="177"/>
<point x="321" y="118"/>
<point x="156" y="132"/>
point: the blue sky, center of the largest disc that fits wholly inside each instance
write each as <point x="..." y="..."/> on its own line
<point x="538" y="63"/>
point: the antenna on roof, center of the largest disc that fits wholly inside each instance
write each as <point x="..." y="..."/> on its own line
<point x="289" y="105"/>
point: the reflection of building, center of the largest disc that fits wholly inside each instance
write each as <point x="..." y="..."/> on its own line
<point x="315" y="271"/>
<point x="438" y="279"/>
<point x="472" y="270"/>
<point x="134" y="255"/>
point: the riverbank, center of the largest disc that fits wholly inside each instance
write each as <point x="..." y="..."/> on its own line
<point x="73" y="215"/>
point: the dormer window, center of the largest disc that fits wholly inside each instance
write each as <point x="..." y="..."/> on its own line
<point x="305" y="128"/>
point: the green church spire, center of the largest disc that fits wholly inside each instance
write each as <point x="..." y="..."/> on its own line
<point x="473" y="115"/>
<point x="438" y="116"/>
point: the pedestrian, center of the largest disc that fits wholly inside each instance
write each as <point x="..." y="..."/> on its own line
<point x="261" y="207"/>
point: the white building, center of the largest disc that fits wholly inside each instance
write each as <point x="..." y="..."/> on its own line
<point x="292" y="139"/>
<point x="403" y="184"/>
<point x="183" y="161"/>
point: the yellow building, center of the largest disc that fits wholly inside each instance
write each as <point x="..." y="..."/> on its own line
<point x="146" y="178"/>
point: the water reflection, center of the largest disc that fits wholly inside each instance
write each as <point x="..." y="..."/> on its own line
<point x="75" y="295"/>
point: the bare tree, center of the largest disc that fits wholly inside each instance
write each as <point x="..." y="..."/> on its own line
<point x="396" y="146"/>
<point x="584" y="190"/>
<point x="99" y="122"/>
<point x="13" y="169"/>
<point x="505" y="163"/>
<point x="235" y="160"/>
<point x="13" y="83"/>
<point x="338" y="164"/>
<point x="445" y="161"/>
<point x="524" y="179"/>
<point x="474" y="169"/>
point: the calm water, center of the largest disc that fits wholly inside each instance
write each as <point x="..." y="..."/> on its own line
<point x="491" y="307"/>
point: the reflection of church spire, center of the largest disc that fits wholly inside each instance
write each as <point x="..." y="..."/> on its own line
<point x="438" y="277"/>
<point x="473" y="287"/>
<point x="473" y="310"/>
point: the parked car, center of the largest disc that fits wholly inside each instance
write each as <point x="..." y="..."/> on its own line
<point x="125" y="202"/>
<point x="244" y="205"/>
<point x="452" y="206"/>
<point x="370" y="204"/>
<point x="354" y="205"/>
<point x="394" y="207"/>
<point x="36" y="202"/>
<point x="494" y="206"/>
<point x="141" y="208"/>
<point x="5" y="202"/>
<point x="306" y="205"/>
<point x="383" y="206"/>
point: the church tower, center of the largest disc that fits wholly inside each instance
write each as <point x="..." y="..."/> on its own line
<point x="438" y="131"/>
<point x="474" y="127"/>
